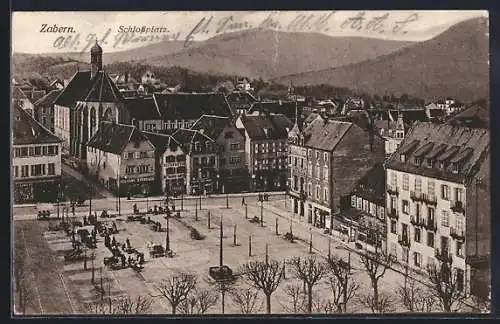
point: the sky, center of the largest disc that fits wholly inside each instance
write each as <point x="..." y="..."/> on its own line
<point x="31" y="32"/>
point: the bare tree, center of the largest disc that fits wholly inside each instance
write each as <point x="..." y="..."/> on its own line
<point x="265" y="276"/>
<point x="97" y="308"/>
<point x="310" y="271"/>
<point x="415" y="297"/>
<point x="199" y="301"/>
<point x="177" y="288"/>
<point x="384" y="303"/>
<point x="376" y="264"/>
<point x="247" y="299"/>
<point x="445" y="286"/>
<point x="127" y="305"/>
<point x="297" y="298"/>
<point x="21" y="279"/>
<point x="342" y="285"/>
<point x="224" y="287"/>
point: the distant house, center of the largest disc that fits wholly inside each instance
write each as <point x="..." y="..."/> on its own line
<point x="233" y="173"/>
<point x="149" y="78"/>
<point x="44" y="109"/>
<point x="353" y="103"/>
<point x="240" y="101"/>
<point x="286" y="108"/>
<point x="393" y="133"/>
<point x="450" y="105"/>
<point x="122" y="158"/>
<point x="243" y="85"/>
<point x="474" y="116"/>
<point x="20" y="98"/>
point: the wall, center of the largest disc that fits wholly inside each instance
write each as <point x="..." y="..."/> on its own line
<point x="351" y="159"/>
<point x="164" y="165"/>
<point x="62" y="125"/>
<point x="32" y="160"/>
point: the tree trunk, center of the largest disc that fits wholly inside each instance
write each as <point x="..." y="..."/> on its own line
<point x="375" y="294"/>
<point x="268" y="303"/>
<point x="174" y="309"/>
<point x="309" y="298"/>
<point x="223" y="301"/>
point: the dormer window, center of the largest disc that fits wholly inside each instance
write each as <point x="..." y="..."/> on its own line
<point x="430" y="163"/>
<point x="402" y="158"/>
<point x="417" y="161"/>
<point x="441" y="165"/>
<point x="455" y="168"/>
<point x="197" y="146"/>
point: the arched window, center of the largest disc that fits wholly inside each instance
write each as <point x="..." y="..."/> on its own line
<point x="93" y="121"/>
<point x="108" y="115"/>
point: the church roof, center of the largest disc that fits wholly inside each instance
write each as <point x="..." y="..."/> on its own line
<point x="76" y="89"/>
<point x="103" y="89"/>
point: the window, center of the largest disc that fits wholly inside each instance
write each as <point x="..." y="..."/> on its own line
<point x="235" y="159"/>
<point x="144" y="155"/>
<point x="418" y="185"/>
<point x="256" y="148"/>
<point x="417" y="161"/>
<point x="129" y="169"/>
<point x="359" y="203"/>
<point x="325" y="194"/>
<point x="406" y="207"/>
<point x="417" y="235"/>
<point x="460" y="249"/>
<point x="430" y="163"/>
<point x="430" y="214"/>
<point x="455" y="168"/>
<point x="430" y="188"/>
<point x="394" y="227"/>
<point x="430" y="239"/>
<point x="445" y="218"/>
<point x="228" y="135"/>
<point x="197" y="146"/>
<point x="32" y="151"/>
<point x="294" y="161"/>
<point x="309" y="189"/>
<point x="51" y="168"/>
<point x="406" y="180"/>
<point x="16" y="171"/>
<point x="137" y="155"/>
<point x="402" y="158"/>
<point x="417" y="210"/>
<point x="301" y="163"/>
<point x="24" y="151"/>
<point x="366" y="206"/>
<point x="393" y="250"/>
<point x="459" y="224"/>
<point x="44" y="150"/>
<point x="373" y="211"/>
<point x="430" y="261"/>
<point x="458" y="194"/>
<point x="325" y="173"/>
<point x="325" y="158"/>
<point x="317" y="156"/>
<point x="317" y="192"/>
<point x="394" y="179"/>
<point x="417" y="259"/>
<point x="204" y="160"/>
<point x="211" y="160"/>
<point x="404" y="255"/>
<point x="353" y="201"/>
<point x="445" y="192"/>
<point x="24" y="171"/>
<point x="235" y="146"/>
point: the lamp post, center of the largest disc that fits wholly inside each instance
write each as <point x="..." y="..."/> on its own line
<point x="167" y="245"/>
<point x="253" y="181"/>
<point x="119" y="193"/>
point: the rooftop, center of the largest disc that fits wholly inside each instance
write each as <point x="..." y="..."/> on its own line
<point x="113" y="138"/>
<point x="325" y="134"/>
<point x="267" y="126"/>
<point x="26" y="130"/>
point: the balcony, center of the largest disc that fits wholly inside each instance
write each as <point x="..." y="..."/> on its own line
<point x="457" y="206"/>
<point x="429" y="199"/>
<point x="457" y="235"/>
<point x="416" y="196"/>
<point x="431" y="225"/>
<point x="444" y="256"/>
<point x="417" y="221"/>
<point x="403" y="240"/>
<point x="393" y="213"/>
<point x="392" y="190"/>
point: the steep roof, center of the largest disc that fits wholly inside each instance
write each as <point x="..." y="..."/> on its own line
<point x="186" y="106"/>
<point x="212" y="126"/>
<point x="17" y="93"/>
<point x="473" y="114"/>
<point x="188" y="136"/>
<point x="103" y="89"/>
<point x="26" y="130"/>
<point x="48" y="99"/>
<point x="326" y="134"/>
<point x="76" y="89"/>
<point x="142" y="108"/>
<point x="162" y="141"/>
<point x="286" y="108"/>
<point x="372" y="185"/>
<point x="113" y="137"/>
<point x="442" y="142"/>
<point x="267" y="126"/>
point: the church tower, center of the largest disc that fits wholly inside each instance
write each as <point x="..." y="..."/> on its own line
<point x="95" y="59"/>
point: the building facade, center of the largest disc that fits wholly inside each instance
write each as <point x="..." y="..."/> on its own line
<point x="429" y="180"/>
<point x="326" y="159"/>
<point x="44" y="109"/>
<point x="122" y="158"/>
<point x="36" y="160"/>
<point x="266" y="149"/>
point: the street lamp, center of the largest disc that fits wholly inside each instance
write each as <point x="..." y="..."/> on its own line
<point x="253" y="181"/>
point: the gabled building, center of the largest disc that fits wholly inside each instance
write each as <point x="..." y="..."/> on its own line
<point x="89" y="98"/>
<point x="434" y="210"/>
<point x="170" y="164"/>
<point x="233" y="173"/>
<point x="240" y="101"/>
<point x="36" y="160"/>
<point x="362" y="216"/>
<point x="122" y="158"/>
<point x="393" y="133"/>
<point x="20" y="99"/>
<point x="144" y="113"/>
<point x="326" y="159"/>
<point x="286" y="108"/>
<point x="266" y="149"/>
<point x="474" y="116"/>
<point x="201" y="161"/>
<point x="44" y="109"/>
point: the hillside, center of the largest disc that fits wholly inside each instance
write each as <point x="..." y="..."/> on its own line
<point x="454" y="63"/>
<point x="267" y="54"/>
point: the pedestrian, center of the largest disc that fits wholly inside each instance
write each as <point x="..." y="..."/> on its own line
<point x="85" y="220"/>
<point x="128" y="243"/>
<point x="123" y="261"/>
<point x="242" y="201"/>
<point x="113" y="242"/>
<point x="115" y="227"/>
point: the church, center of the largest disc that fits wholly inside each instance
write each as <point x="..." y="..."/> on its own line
<point x="89" y="98"/>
